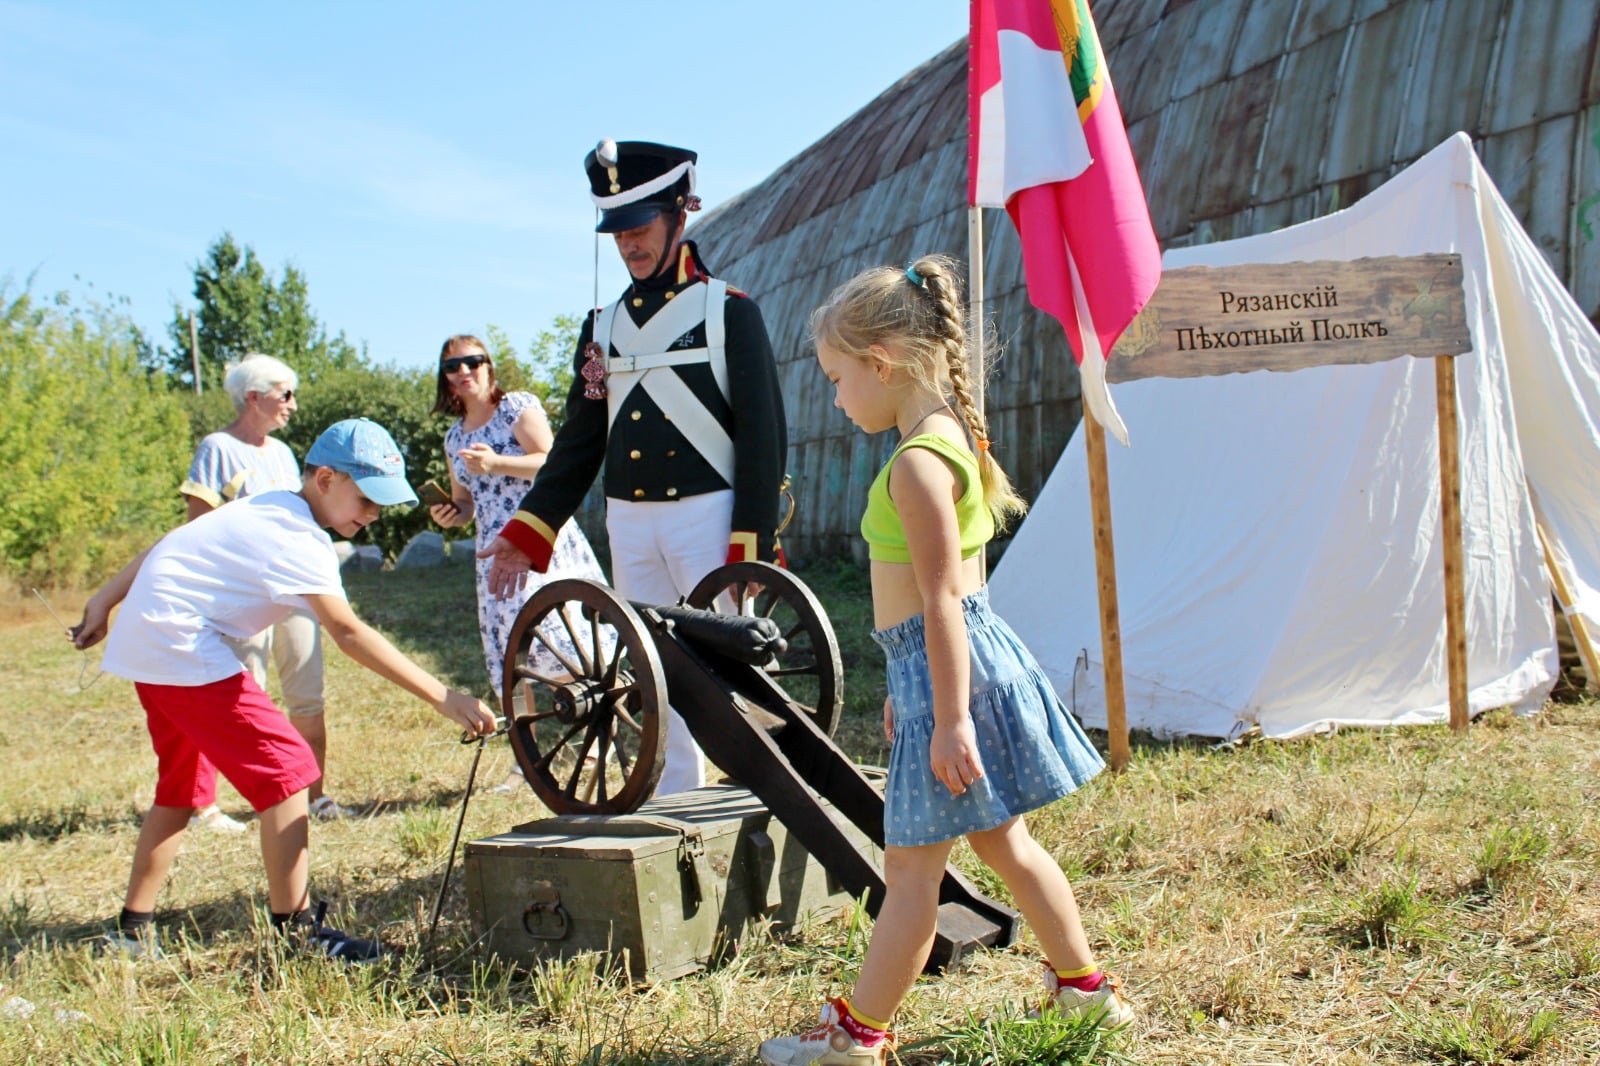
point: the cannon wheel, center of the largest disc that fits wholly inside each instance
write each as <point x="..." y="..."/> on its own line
<point x="809" y="671"/>
<point x="591" y="737"/>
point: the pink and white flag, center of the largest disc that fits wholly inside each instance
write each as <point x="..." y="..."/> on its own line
<point x="1048" y="144"/>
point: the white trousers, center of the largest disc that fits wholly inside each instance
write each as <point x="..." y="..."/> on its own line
<point x="295" y="647"/>
<point x="659" y="553"/>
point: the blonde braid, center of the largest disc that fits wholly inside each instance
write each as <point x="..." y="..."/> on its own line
<point x="949" y="327"/>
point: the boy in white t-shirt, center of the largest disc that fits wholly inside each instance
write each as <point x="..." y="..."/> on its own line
<point x="231" y="573"/>
<point x="241" y="459"/>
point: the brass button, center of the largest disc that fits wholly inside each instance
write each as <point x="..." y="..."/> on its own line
<point x="671" y="294"/>
<point x="673" y="454"/>
<point x="638" y="302"/>
<point x="671" y="493"/>
<point x="636" y="416"/>
<point x="635" y="454"/>
<point x="638" y="494"/>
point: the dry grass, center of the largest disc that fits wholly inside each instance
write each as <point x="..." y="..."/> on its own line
<point x="1391" y="897"/>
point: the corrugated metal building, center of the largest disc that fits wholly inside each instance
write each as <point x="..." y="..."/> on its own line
<point x="1245" y="116"/>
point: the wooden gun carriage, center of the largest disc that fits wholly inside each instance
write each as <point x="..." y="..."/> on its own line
<point x="750" y="663"/>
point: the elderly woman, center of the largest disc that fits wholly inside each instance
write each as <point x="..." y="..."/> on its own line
<point x="238" y="460"/>
<point x="494" y="449"/>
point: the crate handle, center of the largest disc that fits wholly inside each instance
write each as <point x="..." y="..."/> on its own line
<point x="541" y="907"/>
<point x="692" y="857"/>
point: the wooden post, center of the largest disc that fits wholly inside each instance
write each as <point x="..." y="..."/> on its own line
<point x="194" y="352"/>
<point x="1105" y="568"/>
<point x="1580" y="627"/>
<point x="975" y="307"/>
<point x="1455" y="590"/>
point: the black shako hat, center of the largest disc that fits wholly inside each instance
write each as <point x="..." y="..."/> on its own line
<point x="632" y="182"/>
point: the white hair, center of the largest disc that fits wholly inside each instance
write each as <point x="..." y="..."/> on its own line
<point x="256" y="373"/>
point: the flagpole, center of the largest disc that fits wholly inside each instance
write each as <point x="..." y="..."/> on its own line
<point x="1105" y="569"/>
<point x="975" y="304"/>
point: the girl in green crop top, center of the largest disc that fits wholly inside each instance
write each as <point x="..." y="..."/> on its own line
<point x="978" y="737"/>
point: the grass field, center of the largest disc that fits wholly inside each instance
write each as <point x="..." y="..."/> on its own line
<point x="1399" y="896"/>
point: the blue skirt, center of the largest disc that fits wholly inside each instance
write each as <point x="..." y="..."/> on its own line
<point x="1033" y="751"/>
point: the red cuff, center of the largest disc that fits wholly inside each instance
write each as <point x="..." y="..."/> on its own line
<point x="742" y="547"/>
<point x="745" y="547"/>
<point x="533" y="537"/>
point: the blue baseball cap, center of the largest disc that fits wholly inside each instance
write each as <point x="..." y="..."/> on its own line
<point x="364" y="450"/>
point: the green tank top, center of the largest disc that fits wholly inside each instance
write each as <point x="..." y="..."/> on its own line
<point x="880" y="524"/>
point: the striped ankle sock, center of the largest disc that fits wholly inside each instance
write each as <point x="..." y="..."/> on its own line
<point x="868" y="1032"/>
<point x="1085" y="979"/>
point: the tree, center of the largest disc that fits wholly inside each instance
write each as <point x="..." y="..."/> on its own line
<point x="92" y="447"/>
<point x="550" y="364"/>
<point x="241" y="308"/>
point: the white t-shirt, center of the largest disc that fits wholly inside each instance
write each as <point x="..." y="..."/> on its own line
<point x="232" y="572"/>
<point x="225" y="468"/>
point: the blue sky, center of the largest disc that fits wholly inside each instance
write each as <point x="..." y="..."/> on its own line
<point x="422" y="165"/>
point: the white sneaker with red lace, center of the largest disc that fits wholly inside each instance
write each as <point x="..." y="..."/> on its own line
<point x="829" y="1044"/>
<point x="1104" y="1004"/>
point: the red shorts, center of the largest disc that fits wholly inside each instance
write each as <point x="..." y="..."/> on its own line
<point x="228" y="726"/>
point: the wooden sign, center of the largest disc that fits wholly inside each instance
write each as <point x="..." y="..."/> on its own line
<point x="1205" y="321"/>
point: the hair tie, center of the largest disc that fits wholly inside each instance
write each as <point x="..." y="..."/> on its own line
<point x="983" y="444"/>
<point x="913" y="277"/>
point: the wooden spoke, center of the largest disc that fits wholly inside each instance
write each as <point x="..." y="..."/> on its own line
<point x="556" y="748"/>
<point x="577" y="645"/>
<point x="549" y="645"/>
<point x="539" y="717"/>
<point x="625" y="718"/>
<point x="522" y="672"/>
<point x="580" y="757"/>
<point x="595" y="643"/>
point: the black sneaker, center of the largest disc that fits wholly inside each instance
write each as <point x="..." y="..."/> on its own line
<point x="331" y="943"/>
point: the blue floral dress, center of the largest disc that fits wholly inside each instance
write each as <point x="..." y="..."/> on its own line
<point x="495" y="498"/>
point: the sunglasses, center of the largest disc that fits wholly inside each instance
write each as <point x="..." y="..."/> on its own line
<point x="454" y="363"/>
<point x="288" y="394"/>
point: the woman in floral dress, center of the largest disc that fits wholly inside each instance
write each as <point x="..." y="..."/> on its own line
<point x="494" y="449"/>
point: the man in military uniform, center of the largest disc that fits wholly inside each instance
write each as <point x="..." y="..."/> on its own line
<point x="676" y="394"/>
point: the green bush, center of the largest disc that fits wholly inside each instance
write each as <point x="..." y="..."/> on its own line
<point x="92" y="448"/>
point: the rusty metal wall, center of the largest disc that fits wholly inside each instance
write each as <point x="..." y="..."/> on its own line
<point x="1245" y="116"/>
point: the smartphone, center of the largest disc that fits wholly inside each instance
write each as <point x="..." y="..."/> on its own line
<point x="432" y="495"/>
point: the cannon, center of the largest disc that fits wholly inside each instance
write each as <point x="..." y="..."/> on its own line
<point x="750" y="663"/>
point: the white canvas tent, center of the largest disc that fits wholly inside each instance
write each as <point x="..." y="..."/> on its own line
<point x="1277" y="534"/>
